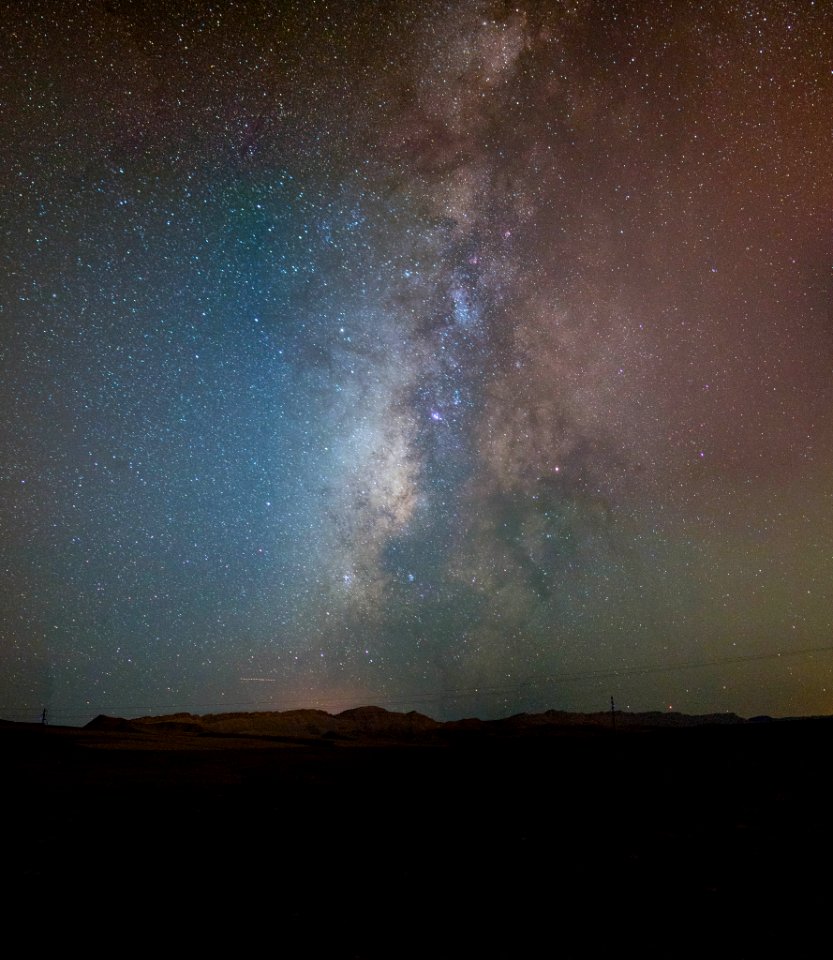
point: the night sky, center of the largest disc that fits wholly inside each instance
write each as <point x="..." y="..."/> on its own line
<point x="466" y="357"/>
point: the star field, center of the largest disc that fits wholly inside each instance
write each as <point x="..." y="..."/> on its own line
<point x="464" y="357"/>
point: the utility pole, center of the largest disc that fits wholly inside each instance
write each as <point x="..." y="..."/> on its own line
<point x="612" y="715"/>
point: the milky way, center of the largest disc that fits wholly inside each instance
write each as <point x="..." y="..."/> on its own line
<point x="466" y="357"/>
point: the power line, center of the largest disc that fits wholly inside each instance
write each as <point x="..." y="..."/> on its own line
<point x="450" y="693"/>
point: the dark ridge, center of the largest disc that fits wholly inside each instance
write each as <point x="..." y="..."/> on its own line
<point x="110" y="724"/>
<point x="378" y="723"/>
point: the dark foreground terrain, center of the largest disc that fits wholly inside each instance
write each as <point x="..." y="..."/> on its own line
<point x="410" y="838"/>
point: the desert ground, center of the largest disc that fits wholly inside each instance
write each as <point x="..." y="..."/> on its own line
<point x="377" y="834"/>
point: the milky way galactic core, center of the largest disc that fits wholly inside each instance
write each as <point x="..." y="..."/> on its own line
<point x="464" y="357"/>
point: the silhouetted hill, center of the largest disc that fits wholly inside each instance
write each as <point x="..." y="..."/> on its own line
<point x="377" y="723"/>
<point x="110" y="724"/>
